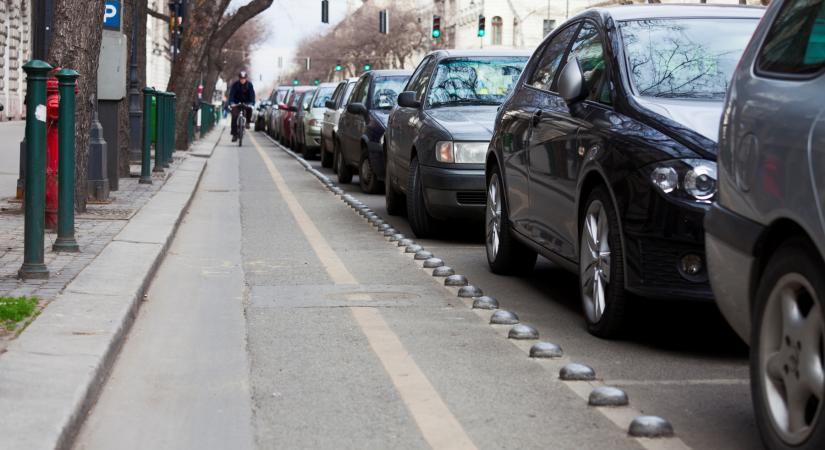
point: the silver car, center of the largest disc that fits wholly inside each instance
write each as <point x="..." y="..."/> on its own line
<point x="765" y="237"/>
<point x="329" y="127"/>
<point x="310" y="138"/>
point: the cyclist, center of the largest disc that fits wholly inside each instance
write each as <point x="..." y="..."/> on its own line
<point x="241" y="93"/>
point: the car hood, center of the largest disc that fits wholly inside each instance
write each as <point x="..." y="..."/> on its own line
<point x="466" y="122"/>
<point x="701" y="116"/>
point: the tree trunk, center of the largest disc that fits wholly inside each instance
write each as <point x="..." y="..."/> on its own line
<point x="212" y="73"/>
<point x="76" y="45"/>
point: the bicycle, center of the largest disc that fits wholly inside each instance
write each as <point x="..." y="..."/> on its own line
<point x="241" y="121"/>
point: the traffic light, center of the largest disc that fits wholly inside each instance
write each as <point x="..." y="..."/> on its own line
<point x="315" y="82"/>
<point x="339" y="67"/>
<point x="384" y="21"/>
<point x="295" y="82"/>
<point x="367" y="67"/>
<point x="481" y="26"/>
<point x="436" y="27"/>
<point x="324" y="11"/>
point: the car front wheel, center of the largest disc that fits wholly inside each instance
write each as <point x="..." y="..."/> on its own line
<point x="369" y="181"/>
<point x="505" y="254"/>
<point x="326" y="157"/>
<point x="422" y="224"/>
<point x="788" y="341"/>
<point x="344" y="171"/>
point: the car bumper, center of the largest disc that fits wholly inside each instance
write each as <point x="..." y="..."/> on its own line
<point x="313" y="137"/>
<point x="376" y="155"/>
<point x="731" y="244"/>
<point x="454" y="193"/>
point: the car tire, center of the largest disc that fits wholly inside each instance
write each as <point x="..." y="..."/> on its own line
<point x="309" y="153"/>
<point x="394" y="200"/>
<point x="326" y="157"/>
<point x="506" y="255"/>
<point x="601" y="267"/>
<point x="370" y="184"/>
<point x="344" y="171"/>
<point x="785" y="351"/>
<point x="423" y="225"/>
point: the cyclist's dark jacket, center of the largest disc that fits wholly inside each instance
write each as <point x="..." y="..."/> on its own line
<point x="242" y="93"/>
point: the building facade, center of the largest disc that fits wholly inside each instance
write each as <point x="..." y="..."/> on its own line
<point x="158" y="61"/>
<point x="15" y="50"/>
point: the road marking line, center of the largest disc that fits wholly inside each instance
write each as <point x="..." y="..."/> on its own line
<point x="437" y="424"/>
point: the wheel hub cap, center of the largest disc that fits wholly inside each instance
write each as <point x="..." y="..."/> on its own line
<point x="493" y="217"/>
<point x="595" y="261"/>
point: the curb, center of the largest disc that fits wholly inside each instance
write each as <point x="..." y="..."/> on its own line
<point x="51" y="375"/>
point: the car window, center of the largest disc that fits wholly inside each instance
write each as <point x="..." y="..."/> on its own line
<point x="321" y="96"/>
<point x="359" y="93"/>
<point x="339" y="92"/>
<point x="795" y="43"/>
<point x="545" y="71"/>
<point x="307" y="98"/>
<point x="386" y="90"/>
<point x="348" y="92"/>
<point x="415" y="80"/>
<point x="589" y="50"/>
<point x="474" y="80"/>
<point x="420" y="87"/>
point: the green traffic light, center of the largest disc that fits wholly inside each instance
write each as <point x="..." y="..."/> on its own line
<point x="315" y="82"/>
<point x="367" y="67"/>
<point x="436" y="34"/>
<point x="481" y="33"/>
<point x="338" y="67"/>
<point x="295" y="82"/>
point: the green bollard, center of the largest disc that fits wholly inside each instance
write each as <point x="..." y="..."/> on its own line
<point x="160" y="118"/>
<point x="146" y="154"/>
<point x="204" y="120"/>
<point x="167" y="128"/>
<point x="35" y="194"/>
<point x="67" y="80"/>
<point x="173" y="126"/>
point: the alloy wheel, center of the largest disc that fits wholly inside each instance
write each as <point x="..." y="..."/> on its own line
<point x="366" y="172"/>
<point x="791" y="341"/>
<point x="594" y="265"/>
<point x="493" y="217"/>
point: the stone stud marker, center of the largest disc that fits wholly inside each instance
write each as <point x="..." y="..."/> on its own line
<point x="432" y="263"/>
<point x="415" y="248"/>
<point x="395" y="237"/>
<point x="443" y="271"/>
<point x="523" y="332"/>
<point x="470" y="291"/>
<point x="546" y="350"/>
<point x="485" y="302"/>
<point x="504" y="318"/>
<point x="422" y="255"/>
<point x="406" y="242"/>
<point x="456" y="280"/>
<point x="577" y="372"/>
<point x="608" y="396"/>
<point x="650" y="427"/>
<point x="384" y="226"/>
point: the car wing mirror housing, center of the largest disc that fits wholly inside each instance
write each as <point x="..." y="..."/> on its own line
<point x="407" y="100"/>
<point x="357" y="108"/>
<point x="330" y="104"/>
<point x="572" y="84"/>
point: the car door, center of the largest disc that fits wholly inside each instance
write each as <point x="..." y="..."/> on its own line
<point x="552" y="168"/>
<point x="516" y="123"/>
<point x="355" y="122"/>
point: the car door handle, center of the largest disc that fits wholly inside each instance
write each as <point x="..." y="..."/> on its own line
<point x="537" y="117"/>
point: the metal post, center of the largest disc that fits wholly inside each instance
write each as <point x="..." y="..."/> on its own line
<point x="160" y="127"/>
<point x="135" y="113"/>
<point x="173" y="127"/>
<point x="35" y="195"/>
<point x="67" y="80"/>
<point x="146" y="156"/>
<point x="167" y="151"/>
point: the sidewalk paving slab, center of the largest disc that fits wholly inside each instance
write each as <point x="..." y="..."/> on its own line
<point x="52" y="373"/>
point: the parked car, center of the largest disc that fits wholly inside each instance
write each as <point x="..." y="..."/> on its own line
<point x="437" y="136"/>
<point x="766" y="233"/>
<point x="360" y="144"/>
<point x="310" y="135"/>
<point x="258" y="114"/>
<point x="329" y="127"/>
<point x="298" y="119"/>
<point x="288" y="111"/>
<point x="277" y="111"/>
<point x="604" y="156"/>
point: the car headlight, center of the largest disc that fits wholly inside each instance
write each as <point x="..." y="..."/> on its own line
<point x="461" y="152"/>
<point x="693" y="179"/>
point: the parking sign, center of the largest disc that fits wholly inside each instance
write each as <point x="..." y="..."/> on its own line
<point x="111" y="18"/>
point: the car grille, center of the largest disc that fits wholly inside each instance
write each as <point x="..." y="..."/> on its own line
<point x="472" y="197"/>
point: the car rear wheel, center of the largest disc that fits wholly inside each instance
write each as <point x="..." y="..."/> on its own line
<point x="788" y="346"/>
<point x="326" y="157"/>
<point x="505" y="254"/>
<point x="601" y="270"/>
<point x="366" y="176"/>
<point x="344" y="171"/>
<point x="422" y="224"/>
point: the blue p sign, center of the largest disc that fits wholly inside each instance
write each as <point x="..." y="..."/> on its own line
<point x="111" y="17"/>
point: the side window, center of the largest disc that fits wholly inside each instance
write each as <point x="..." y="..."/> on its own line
<point x="416" y="76"/>
<point x="359" y="95"/>
<point x="336" y="96"/>
<point x="421" y="78"/>
<point x="347" y="93"/>
<point x="588" y="48"/>
<point x="548" y="65"/>
<point x="795" y="43"/>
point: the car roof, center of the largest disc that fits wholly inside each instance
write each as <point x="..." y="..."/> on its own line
<point x="390" y="73"/>
<point x="454" y="53"/>
<point x="324" y="85"/>
<point x="300" y="89"/>
<point x="637" y="12"/>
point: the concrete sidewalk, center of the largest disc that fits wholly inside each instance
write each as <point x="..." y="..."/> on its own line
<point x="52" y="372"/>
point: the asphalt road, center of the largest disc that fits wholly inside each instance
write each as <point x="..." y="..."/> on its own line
<point x="680" y="361"/>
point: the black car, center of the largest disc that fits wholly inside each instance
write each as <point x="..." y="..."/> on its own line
<point x="361" y="128"/>
<point x="439" y="133"/>
<point x="604" y="156"/>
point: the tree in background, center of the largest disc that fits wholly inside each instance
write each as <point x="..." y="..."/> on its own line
<point x="226" y="61"/>
<point x="355" y="41"/>
<point x="75" y="44"/>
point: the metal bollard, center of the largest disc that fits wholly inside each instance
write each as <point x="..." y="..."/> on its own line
<point x="173" y="128"/>
<point x="35" y="189"/>
<point x="146" y="144"/>
<point x="204" y="120"/>
<point x="160" y="126"/>
<point x="67" y="83"/>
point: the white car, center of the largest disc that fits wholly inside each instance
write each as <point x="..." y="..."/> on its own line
<point x="329" y="127"/>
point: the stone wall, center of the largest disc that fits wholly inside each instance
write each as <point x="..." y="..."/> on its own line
<point x="15" y="48"/>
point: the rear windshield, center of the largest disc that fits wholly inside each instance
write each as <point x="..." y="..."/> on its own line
<point x="474" y="81"/>
<point x="684" y="57"/>
<point x="324" y="94"/>
<point x="386" y="90"/>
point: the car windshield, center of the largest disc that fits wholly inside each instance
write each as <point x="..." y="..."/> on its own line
<point x="386" y="90"/>
<point x="324" y="94"/>
<point x="685" y="58"/>
<point x="475" y="81"/>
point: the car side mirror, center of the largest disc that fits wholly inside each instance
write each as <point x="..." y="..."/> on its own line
<point x="330" y="104"/>
<point x="357" y="108"/>
<point x="572" y="84"/>
<point x="407" y="100"/>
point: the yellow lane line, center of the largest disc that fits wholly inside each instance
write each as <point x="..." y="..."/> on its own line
<point x="437" y="424"/>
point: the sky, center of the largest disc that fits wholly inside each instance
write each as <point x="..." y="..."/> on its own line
<point x="288" y="21"/>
